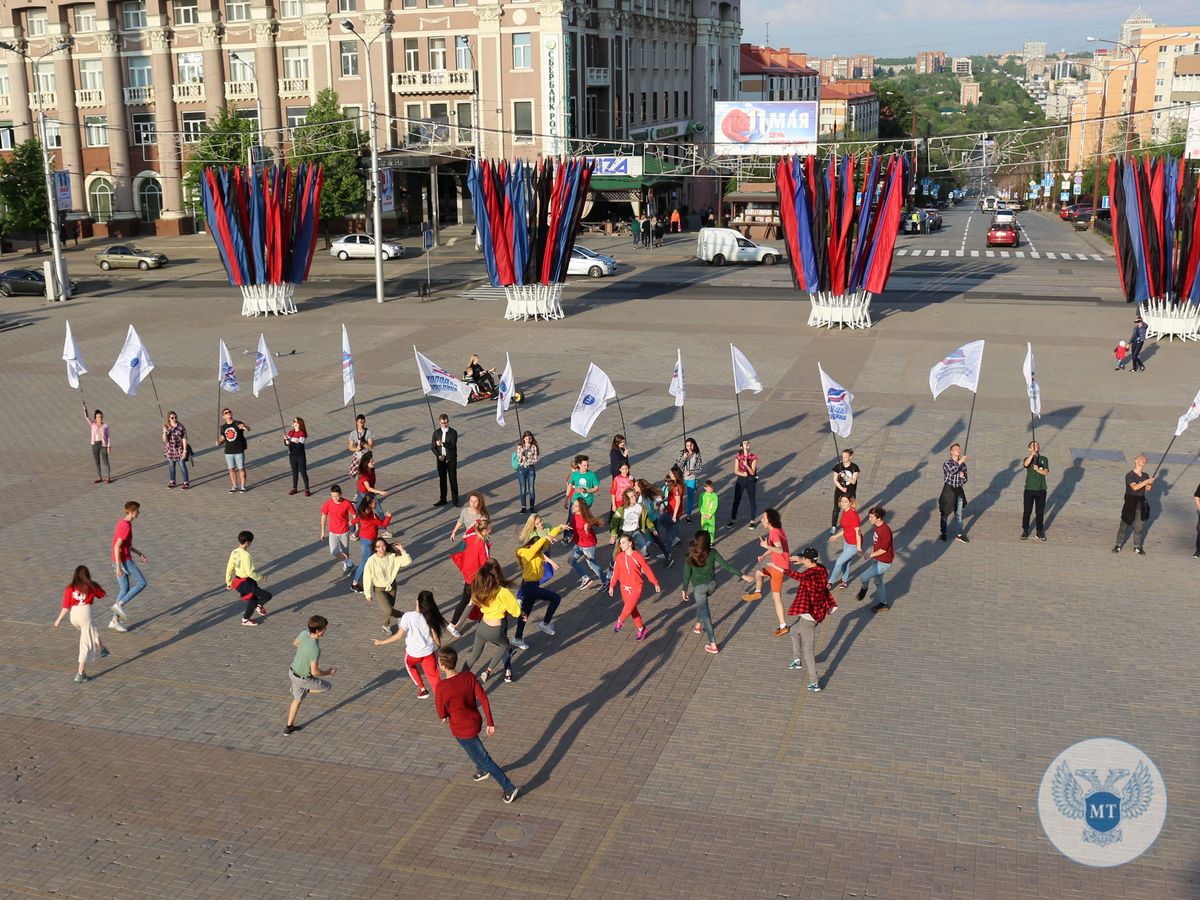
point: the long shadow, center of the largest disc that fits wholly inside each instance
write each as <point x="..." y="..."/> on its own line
<point x="1067" y="482"/>
<point x="383" y="679"/>
<point x="850" y="626"/>
<point x="987" y="498"/>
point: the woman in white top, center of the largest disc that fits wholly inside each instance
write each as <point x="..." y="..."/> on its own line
<point x="421" y="630"/>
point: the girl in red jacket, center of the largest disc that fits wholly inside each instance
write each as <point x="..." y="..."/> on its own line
<point x="630" y="570"/>
<point x="370" y="526"/>
<point x="469" y="556"/>
<point x="77" y="602"/>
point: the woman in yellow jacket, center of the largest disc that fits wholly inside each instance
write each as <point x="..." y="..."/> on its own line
<point x="379" y="579"/>
<point x="492" y="593"/>
<point x="531" y="557"/>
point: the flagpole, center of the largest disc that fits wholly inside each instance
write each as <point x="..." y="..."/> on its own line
<point x="741" y="434"/>
<point x="354" y="406"/>
<point x="156" y="400"/>
<point x="517" y="410"/>
<point x="219" y="422"/>
<point x="432" y="421"/>
<point x="970" y="419"/>
<point x="683" y="413"/>
<point x="622" y="412"/>
<point x="81" y="397"/>
<point x="1163" y="457"/>
<point x="1033" y="424"/>
<point x="279" y="407"/>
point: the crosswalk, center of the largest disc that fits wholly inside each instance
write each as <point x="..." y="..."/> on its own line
<point x="1003" y="254"/>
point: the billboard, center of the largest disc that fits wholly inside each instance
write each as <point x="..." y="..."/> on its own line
<point x="1191" y="148"/>
<point x="771" y="128"/>
<point x="618" y="165"/>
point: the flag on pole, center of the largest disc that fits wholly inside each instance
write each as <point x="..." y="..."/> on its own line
<point x="75" y="366"/>
<point x="226" y="377"/>
<point x="959" y="368"/>
<point x="1193" y="413"/>
<point x="347" y="369"/>
<point x="504" y="399"/>
<point x="744" y="376"/>
<point x="264" y="367"/>
<point x="678" y="388"/>
<point x="1031" y="382"/>
<point x="132" y="365"/>
<point x="437" y="381"/>
<point x="593" y="399"/>
<point x="837" y="401"/>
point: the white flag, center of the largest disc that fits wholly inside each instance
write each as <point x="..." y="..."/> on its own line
<point x="678" y="388"/>
<point x="1188" y="417"/>
<point x="1031" y="382"/>
<point x="504" y="399"/>
<point x="264" y="367"/>
<point x="132" y="365"/>
<point x="961" y="368"/>
<point x="593" y="399"/>
<point x="75" y="366"/>
<point x="226" y="377"/>
<point x="837" y="401"/>
<point x="347" y="369"/>
<point x="744" y="376"/>
<point x="437" y="381"/>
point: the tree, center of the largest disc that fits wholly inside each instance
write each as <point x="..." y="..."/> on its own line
<point x="331" y="139"/>
<point x="224" y="140"/>
<point x="23" y="191"/>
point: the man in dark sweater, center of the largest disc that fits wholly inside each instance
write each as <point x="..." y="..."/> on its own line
<point x="457" y="698"/>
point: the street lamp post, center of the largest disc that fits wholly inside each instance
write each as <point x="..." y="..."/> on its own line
<point x="1100" y="136"/>
<point x="60" y="285"/>
<point x="257" y="107"/>
<point x="1137" y="58"/>
<point x="376" y="200"/>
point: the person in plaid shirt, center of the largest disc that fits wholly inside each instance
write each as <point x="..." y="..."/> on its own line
<point x="954" y="498"/>
<point x="812" y="604"/>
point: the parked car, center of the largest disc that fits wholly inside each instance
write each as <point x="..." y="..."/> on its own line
<point x="125" y="256"/>
<point x="362" y="246"/>
<point x="26" y="281"/>
<point x="933" y="220"/>
<point x="1068" y="212"/>
<point x="718" y="246"/>
<point x="1082" y="220"/>
<point x="1003" y="235"/>
<point x="589" y="262"/>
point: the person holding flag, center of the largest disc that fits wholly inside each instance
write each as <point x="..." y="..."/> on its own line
<point x="1037" y="467"/>
<point x="953" y="499"/>
<point x="1136" y="508"/>
<point x="101" y="440"/>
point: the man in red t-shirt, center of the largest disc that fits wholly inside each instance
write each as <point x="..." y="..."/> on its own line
<point x="457" y="698"/>
<point x="130" y="579"/>
<point x="879" y="560"/>
<point x="335" y="520"/>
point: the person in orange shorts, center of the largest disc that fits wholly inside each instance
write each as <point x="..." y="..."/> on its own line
<point x="775" y="551"/>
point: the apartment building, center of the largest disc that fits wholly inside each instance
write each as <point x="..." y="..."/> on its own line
<point x="451" y="78"/>
<point x="930" y="62"/>
<point x="838" y="68"/>
<point x="848" y="110"/>
<point x="769" y="74"/>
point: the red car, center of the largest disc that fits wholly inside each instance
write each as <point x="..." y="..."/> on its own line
<point x="1069" y="212"/>
<point x="1003" y="236"/>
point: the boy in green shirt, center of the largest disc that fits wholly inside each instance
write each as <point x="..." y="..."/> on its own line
<point x="708" y="510"/>
<point x="304" y="673"/>
<point x="583" y="483"/>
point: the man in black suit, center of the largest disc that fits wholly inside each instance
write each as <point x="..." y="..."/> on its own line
<point x="445" y="449"/>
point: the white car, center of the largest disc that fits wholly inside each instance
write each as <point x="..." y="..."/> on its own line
<point x="589" y="262"/>
<point x="1004" y="217"/>
<point x="362" y="246"/>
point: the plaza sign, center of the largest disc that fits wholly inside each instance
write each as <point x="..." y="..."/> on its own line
<point x="618" y="165"/>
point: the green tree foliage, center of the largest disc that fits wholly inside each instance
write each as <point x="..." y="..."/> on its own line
<point x="331" y="139"/>
<point x="23" y="191"/>
<point x="224" y="141"/>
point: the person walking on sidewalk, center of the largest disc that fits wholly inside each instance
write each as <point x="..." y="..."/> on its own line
<point x="101" y="441"/>
<point x="953" y="498"/>
<point x="458" y="697"/>
<point x="851" y="537"/>
<point x="421" y="630"/>
<point x="130" y="580"/>
<point x="1136" y="342"/>
<point x="700" y="577"/>
<point x="365" y="485"/>
<point x="175" y="449"/>
<point x="845" y="484"/>
<point x="1136" y="508"/>
<point x="880" y="559"/>
<point x="241" y="576"/>
<point x="468" y="557"/>
<point x="335" y="519"/>
<point x="812" y="604"/>
<point x="77" y="603"/>
<point x="745" y="468"/>
<point x="775" y="546"/>
<point x="444" y="446"/>
<point x="305" y="673"/>
<point x="379" y="578"/>
<point x="1037" y="467"/>
<point x="630" y="570"/>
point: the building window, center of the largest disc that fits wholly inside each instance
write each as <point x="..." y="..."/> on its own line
<point x="644" y="107"/>
<point x="291" y="9"/>
<point x="139" y="71"/>
<point x="346" y="6"/>
<point x="296" y="116"/>
<point x="46" y="81"/>
<point x="413" y="131"/>
<point x="85" y="19"/>
<point x="143" y="128"/>
<point x="462" y="53"/>
<point x="237" y="10"/>
<point x="354" y="114"/>
<point x="6" y="137"/>
<point x="437" y="54"/>
<point x="37" y="22"/>
<point x="643" y="54"/>
<point x="133" y="15"/>
<point x="5" y="86"/>
<point x="410" y="4"/>
<point x="349" y="55"/>
<point x="91" y="75"/>
<point x="53" y="134"/>
<point x="654" y="105"/>
<point x="186" y="12"/>
<point x="523" y="121"/>
<point x="191" y="67"/>
<point x="193" y="126"/>
<point x="687" y="107"/>
<point x="100" y="199"/>
<point x="675" y="99"/>
<point x="412" y="55"/>
<point x="466" y="128"/>
<point x="150" y="199"/>
<point x="435" y="4"/>
<point x="295" y="62"/>
<point x="460" y="2"/>
<point x="96" y="130"/>
<point x="522" y="50"/>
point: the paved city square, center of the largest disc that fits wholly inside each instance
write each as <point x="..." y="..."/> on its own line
<point x="650" y="769"/>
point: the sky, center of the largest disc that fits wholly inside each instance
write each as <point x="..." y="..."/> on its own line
<point x="960" y="27"/>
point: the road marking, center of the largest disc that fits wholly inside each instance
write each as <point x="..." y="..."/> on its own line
<point x="945" y="253"/>
<point x="1005" y="254"/>
<point x="1020" y="254"/>
<point x="974" y="252"/>
<point x="1033" y="254"/>
<point x="959" y="253"/>
<point x="1082" y="256"/>
<point x="990" y="252"/>
<point x="901" y="252"/>
<point x="1049" y="256"/>
<point x="966" y="228"/>
<point x="1097" y="257"/>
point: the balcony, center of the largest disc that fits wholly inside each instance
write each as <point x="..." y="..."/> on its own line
<point x="439" y="82"/>
<point x="293" y="87"/>
<point x="139" y="96"/>
<point x="89" y="97"/>
<point x="241" y="90"/>
<point x="598" y="76"/>
<point x="189" y="92"/>
<point x="5" y="103"/>
<point x="43" y="100"/>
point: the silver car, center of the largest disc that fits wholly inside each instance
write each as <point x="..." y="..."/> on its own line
<point x="362" y="246"/>
<point x="588" y="262"/>
<point x="125" y="256"/>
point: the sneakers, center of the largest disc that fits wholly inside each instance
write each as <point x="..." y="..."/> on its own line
<point x="307" y="492"/>
<point x="290" y="729"/>
<point x="250" y="622"/>
<point x="118" y="609"/>
<point x="386" y="629"/>
<point x="422" y="694"/>
<point x="641" y="633"/>
<point x="861" y="595"/>
<point x="185" y="486"/>
<point x="712" y="648"/>
<point x="1042" y="538"/>
<point x="519" y="644"/>
<point x="1024" y="535"/>
<point x="879" y="607"/>
<point x="170" y="484"/>
<point x="261" y="610"/>
<point x="1116" y="548"/>
<point x="386" y="535"/>
<point x="752" y="596"/>
<point x="670" y="562"/>
<point x="730" y="523"/>
<point x="962" y="539"/>
<point x="781" y="630"/>
<point x="484" y="676"/>
<point x="233" y="490"/>
<point x="587" y="583"/>
<point x="942" y="538"/>
<point x="81" y="678"/>
<point x="510" y="796"/>
<point x="1140" y="551"/>
<point x="453" y="629"/>
<point x="842" y="585"/>
<point x="293" y="492"/>
<point x="347" y="568"/>
<point x="242" y="489"/>
<point x="355" y="588"/>
<point x="752" y="525"/>
<point x="814" y="687"/>
<point x="795" y="665"/>
<point x="103" y="652"/>
<point x="546" y="627"/>
<point x="97" y="481"/>
<point x="696" y="629"/>
<point x="833" y="530"/>
<point x="508" y="676"/>
<point x="618" y="627"/>
<point x="480" y="776"/>
<point x="115" y="625"/>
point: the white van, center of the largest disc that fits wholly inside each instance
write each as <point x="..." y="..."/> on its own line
<point x="718" y="246"/>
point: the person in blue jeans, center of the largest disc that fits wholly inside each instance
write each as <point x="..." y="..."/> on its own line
<point x="457" y="698"/>
<point x="880" y="559"/>
<point x="526" y="455"/>
<point x="130" y="579"/>
<point x="850" y="528"/>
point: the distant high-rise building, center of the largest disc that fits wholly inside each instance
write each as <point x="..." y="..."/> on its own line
<point x="1131" y="29"/>
<point x="838" y="68"/>
<point x="1033" y="50"/>
<point x="930" y="62"/>
<point x="962" y="66"/>
<point x="968" y="92"/>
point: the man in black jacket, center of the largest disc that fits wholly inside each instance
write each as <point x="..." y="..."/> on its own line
<point x="445" y="449"/>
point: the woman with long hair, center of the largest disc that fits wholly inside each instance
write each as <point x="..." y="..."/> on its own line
<point x="745" y="470"/>
<point x="468" y="557"/>
<point x="175" y="448"/>
<point x="700" y="575"/>
<point x="584" y="526"/>
<point x="77" y="602"/>
<point x="295" y="439"/>
<point x="473" y="510"/>
<point x="531" y="557"/>
<point x="850" y="526"/>
<point x="630" y="570"/>
<point x="691" y="464"/>
<point x="492" y="593"/>
<point x="775" y="551"/>
<point x="672" y="506"/>
<point x="527" y="454"/>
<point x="618" y="456"/>
<point x="370" y="526"/>
<point x="101" y="441"/>
<point x="651" y="498"/>
<point x="366" y="481"/>
<point x="421" y="630"/>
<point x="379" y="579"/>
